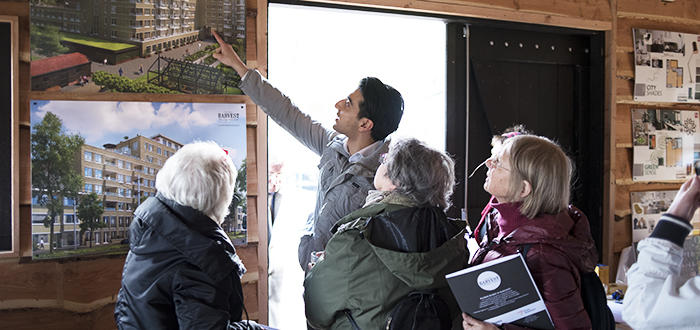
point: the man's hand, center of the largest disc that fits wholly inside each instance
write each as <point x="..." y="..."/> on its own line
<point x="226" y="55"/>
<point x="316" y="256"/>
<point x="687" y="200"/>
<point x="472" y="323"/>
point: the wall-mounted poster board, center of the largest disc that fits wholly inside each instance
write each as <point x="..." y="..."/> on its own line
<point x="666" y="66"/>
<point x="665" y="144"/>
<point x="647" y="208"/>
<point x="159" y="46"/>
<point x="94" y="162"/>
<point x="9" y="136"/>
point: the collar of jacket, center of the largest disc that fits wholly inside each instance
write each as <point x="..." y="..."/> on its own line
<point x="509" y="217"/>
<point x="358" y="218"/>
<point x="388" y="197"/>
<point x="370" y="161"/>
<point x="193" y="234"/>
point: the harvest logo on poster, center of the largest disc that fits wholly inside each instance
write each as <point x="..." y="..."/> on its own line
<point x="230" y="118"/>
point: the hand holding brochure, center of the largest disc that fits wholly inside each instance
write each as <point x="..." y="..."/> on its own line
<point x="500" y="291"/>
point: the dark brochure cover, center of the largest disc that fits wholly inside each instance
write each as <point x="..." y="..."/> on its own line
<point x="500" y="291"/>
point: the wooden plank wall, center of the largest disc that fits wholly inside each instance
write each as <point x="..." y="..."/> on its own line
<point x="80" y="293"/>
<point x="679" y="16"/>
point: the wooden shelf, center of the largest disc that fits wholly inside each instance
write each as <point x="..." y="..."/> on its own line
<point x="675" y="105"/>
<point x="623" y="145"/>
<point x="623" y="213"/>
<point x="629" y="182"/>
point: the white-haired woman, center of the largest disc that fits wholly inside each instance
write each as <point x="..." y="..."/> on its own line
<point x="530" y="178"/>
<point x="399" y="242"/>
<point x="182" y="270"/>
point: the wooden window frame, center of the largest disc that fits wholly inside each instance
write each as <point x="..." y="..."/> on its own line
<point x="14" y="136"/>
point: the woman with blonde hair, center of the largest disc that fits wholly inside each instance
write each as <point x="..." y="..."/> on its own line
<point x="530" y="178"/>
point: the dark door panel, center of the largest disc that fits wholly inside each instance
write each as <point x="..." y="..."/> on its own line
<point x="516" y="77"/>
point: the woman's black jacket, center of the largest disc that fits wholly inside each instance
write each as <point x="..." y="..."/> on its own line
<point x="181" y="272"/>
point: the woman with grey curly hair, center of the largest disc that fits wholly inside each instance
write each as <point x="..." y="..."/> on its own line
<point x="423" y="174"/>
<point x="400" y="242"/>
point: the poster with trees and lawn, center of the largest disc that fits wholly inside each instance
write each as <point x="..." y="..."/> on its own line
<point x="94" y="162"/>
<point x="128" y="46"/>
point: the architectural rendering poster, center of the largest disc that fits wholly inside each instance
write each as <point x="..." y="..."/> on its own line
<point x="667" y="66"/>
<point x="144" y="46"/>
<point x="94" y="162"/>
<point x="665" y="142"/>
<point x="647" y="207"/>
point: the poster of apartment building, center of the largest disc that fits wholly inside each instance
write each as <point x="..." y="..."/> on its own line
<point x="665" y="144"/>
<point x="666" y="66"/>
<point x="91" y="169"/>
<point x="137" y="46"/>
<point x="647" y="208"/>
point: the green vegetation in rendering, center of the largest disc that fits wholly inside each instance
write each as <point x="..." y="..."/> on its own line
<point x="94" y="42"/>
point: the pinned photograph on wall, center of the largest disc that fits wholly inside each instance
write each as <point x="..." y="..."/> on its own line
<point x="92" y="169"/>
<point x="665" y="66"/>
<point x="666" y="143"/>
<point x="647" y="208"/>
<point x="143" y="46"/>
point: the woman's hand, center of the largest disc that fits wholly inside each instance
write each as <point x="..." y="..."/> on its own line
<point x="472" y="323"/>
<point x="687" y="200"/>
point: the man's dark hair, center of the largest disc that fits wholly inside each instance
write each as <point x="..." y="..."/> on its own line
<point x="382" y="104"/>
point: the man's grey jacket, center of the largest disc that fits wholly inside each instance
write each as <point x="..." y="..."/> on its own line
<point x="342" y="186"/>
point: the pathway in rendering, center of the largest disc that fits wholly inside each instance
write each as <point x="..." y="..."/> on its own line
<point x="130" y="69"/>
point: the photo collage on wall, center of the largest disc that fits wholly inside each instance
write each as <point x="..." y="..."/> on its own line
<point x="667" y="66"/>
<point x="136" y="46"/>
<point x="666" y="143"/>
<point x="85" y="203"/>
<point x="647" y="208"/>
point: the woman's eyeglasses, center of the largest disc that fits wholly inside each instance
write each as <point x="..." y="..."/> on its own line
<point x="495" y="163"/>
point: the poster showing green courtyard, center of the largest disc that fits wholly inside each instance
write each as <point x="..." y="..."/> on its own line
<point x="95" y="162"/>
<point x="127" y="46"/>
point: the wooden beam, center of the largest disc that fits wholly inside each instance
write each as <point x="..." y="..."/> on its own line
<point x="609" y="160"/>
<point x="483" y="10"/>
<point x="261" y="160"/>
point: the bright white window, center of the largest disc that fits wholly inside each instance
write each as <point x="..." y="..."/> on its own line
<point x="318" y="56"/>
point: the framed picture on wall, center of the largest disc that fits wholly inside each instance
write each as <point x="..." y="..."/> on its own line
<point x="156" y="46"/>
<point x="94" y="162"/>
<point x="9" y="170"/>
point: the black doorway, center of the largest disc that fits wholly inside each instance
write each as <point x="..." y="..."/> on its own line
<point x="549" y="79"/>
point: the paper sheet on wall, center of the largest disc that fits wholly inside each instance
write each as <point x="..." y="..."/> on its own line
<point x="647" y="208"/>
<point x="665" y="144"/>
<point x="666" y="66"/>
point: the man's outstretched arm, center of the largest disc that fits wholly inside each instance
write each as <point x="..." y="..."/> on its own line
<point x="273" y="102"/>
